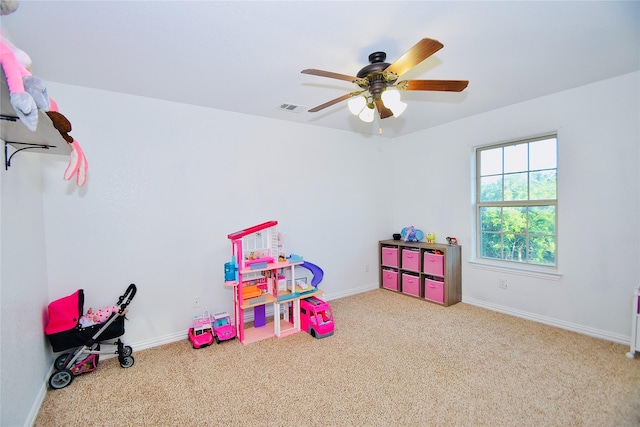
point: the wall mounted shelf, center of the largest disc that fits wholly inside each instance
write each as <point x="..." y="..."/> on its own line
<point x="14" y="133"/>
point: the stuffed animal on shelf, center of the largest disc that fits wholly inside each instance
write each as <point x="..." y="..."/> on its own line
<point x="8" y="6"/>
<point x="411" y="234"/>
<point x="78" y="164"/>
<point x="27" y="93"/>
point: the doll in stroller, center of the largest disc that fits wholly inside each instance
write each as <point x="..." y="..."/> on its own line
<point x="86" y="340"/>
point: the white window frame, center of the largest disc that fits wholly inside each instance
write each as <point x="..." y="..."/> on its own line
<point x="524" y="268"/>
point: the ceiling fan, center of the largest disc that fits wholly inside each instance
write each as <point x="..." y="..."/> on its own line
<point x="378" y="82"/>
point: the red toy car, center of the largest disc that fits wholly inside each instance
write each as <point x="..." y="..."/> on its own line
<point x="201" y="335"/>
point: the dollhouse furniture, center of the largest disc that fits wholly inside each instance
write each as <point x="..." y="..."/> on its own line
<point x="430" y="271"/>
<point x="261" y="266"/>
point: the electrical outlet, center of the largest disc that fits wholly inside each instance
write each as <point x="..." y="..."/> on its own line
<point x="196" y="302"/>
<point x="503" y="284"/>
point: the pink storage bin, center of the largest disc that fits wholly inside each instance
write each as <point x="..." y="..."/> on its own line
<point x="433" y="264"/>
<point x="411" y="284"/>
<point x="389" y="256"/>
<point x="390" y="279"/>
<point x="434" y="290"/>
<point x="411" y="260"/>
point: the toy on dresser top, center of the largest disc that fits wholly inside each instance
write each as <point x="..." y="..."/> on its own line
<point x="412" y="234"/>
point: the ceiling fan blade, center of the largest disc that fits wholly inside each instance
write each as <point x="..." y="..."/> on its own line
<point x="329" y="74"/>
<point x="382" y="110"/>
<point x="418" y="53"/>
<point x="334" y="101"/>
<point x="438" y="85"/>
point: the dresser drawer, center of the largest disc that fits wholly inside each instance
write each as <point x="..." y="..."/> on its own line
<point x="434" y="290"/>
<point x="411" y="284"/>
<point x="389" y="256"/>
<point x="411" y="260"/>
<point x="433" y="264"/>
<point x="390" y="279"/>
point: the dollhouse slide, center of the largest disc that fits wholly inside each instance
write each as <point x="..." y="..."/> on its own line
<point x="317" y="273"/>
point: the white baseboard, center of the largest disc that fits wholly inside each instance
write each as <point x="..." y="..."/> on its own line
<point x="178" y="336"/>
<point x="596" y="333"/>
<point x="37" y="403"/>
<point x="574" y="327"/>
<point x="155" y="342"/>
<point x="350" y="292"/>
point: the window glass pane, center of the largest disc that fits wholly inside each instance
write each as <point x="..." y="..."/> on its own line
<point x="490" y="219"/>
<point x="543" y="154"/>
<point x="543" y="185"/>
<point x="491" y="188"/>
<point x="523" y="174"/>
<point x="514" y="219"/>
<point x="491" y="162"/>
<point x="542" y="220"/>
<point x="491" y="245"/>
<point x="516" y="158"/>
<point x="542" y="250"/>
<point x="515" y="186"/>
<point x="515" y="247"/>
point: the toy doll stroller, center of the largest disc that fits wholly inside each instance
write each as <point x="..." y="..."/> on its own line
<point x="65" y="332"/>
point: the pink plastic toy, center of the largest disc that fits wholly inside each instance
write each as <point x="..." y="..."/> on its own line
<point x="201" y="334"/>
<point x="223" y="329"/>
<point x="316" y="317"/>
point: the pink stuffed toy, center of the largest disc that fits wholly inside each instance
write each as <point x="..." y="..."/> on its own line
<point x="27" y="93"/>
<point x="78" y="162"/>
<point x="99" y="316"/>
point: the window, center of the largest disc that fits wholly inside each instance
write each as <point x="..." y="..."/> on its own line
<point x="516" y="202"/>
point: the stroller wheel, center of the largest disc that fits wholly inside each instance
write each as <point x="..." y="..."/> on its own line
<point x="126" y="361"/>
<point x="126" y="351"/>
<point x="61" y="361"/>
<point x="60" y="379"/>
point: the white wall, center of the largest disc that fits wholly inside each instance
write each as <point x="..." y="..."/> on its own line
<point x="598" y="191"/>
<point x="168" y="182"/>
<point x="25" y="357"/>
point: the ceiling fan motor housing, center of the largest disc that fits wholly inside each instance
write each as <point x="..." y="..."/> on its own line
<point x="376" y="64"/>
<point x="374" y="74"/>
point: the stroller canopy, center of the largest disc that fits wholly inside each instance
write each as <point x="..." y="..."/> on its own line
<point x="65" y="313"/>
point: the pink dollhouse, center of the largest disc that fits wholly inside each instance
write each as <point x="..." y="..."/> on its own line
<point x="263" y="272"/>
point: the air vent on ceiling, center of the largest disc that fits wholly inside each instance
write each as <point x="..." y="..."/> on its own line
<point x="292" y="108"/>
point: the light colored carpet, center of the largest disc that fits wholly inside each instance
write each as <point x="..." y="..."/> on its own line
<point x="393" y="361"/>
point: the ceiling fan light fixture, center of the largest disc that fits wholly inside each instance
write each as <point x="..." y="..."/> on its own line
<point x="398" y="108"/>
<point x="390" y="96"/>
<point x="391" y="100"/>
<point x="367" y="114"/>
<point x="357" y="104"/>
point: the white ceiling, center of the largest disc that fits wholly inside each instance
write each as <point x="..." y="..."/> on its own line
<point x="246" y="56"/>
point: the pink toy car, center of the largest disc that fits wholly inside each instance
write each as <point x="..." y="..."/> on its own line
<point x="223" y="330"/>
<point x="201" y="335"/>
<point x="316" y="317"/>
